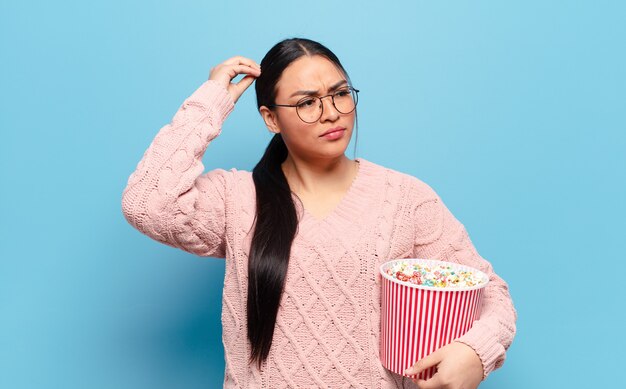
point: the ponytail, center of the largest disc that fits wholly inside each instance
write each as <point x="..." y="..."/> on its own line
<point x="276" y="225"/>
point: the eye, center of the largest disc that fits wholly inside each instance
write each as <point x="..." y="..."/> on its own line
<point x="306" y="103"/>
<point x="343" y="92"/>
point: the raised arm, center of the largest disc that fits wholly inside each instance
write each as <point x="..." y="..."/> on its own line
<point x="168" y="197"/>
<point x="440" y="235"/>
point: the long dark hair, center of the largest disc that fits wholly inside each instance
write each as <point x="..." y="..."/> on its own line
<point x="276" y="218"/>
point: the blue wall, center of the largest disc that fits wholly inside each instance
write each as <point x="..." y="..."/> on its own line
<point x="512" y="111"/>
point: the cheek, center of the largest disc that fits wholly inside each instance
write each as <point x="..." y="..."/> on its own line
<point x="293" y="135"/>
<point x="297" y="136"/>
<point x="293" y="128"/>
<point x="287" y="121"/>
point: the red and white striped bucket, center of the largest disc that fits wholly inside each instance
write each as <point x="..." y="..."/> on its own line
<point x="417" y="320"/>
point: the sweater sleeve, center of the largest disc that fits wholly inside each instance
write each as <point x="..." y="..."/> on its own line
<point x="440" y="235"/>
<point x="168" y="197"/>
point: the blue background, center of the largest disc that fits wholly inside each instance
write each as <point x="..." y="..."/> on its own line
<point x="512" y="111"/>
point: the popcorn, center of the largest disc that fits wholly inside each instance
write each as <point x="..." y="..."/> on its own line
<point x="437" y="275"/>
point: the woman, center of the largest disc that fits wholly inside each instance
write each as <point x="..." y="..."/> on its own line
<point x="304" y="234"/>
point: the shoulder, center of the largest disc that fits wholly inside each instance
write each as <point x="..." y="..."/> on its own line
<point x="423" y="206"/>
<point x="230" y="182"/>
<point x="412" y="187"/>
<point x="242" y="176"/>
<point x="230" y="175"/>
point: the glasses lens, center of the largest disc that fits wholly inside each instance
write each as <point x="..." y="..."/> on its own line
<point x="345" y="100"/>
<point x="309" y="109"/>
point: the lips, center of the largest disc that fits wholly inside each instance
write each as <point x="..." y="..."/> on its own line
<point x="333" y="130"/>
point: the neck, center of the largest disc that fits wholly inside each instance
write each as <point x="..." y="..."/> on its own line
<point x="319" y="176"/>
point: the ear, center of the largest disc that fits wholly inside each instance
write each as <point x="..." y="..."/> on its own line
<point x="271" y="121"/>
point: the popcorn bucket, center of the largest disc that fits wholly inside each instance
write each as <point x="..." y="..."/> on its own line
<point x="418" y="319"/>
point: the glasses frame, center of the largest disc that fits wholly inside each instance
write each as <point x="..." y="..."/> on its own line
<point x="354" y="91"/>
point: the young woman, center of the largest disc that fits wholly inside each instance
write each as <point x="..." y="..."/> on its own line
<point x="305" y="232"/>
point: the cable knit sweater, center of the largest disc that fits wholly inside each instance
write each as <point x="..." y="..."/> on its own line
<point x="327" y="329"/>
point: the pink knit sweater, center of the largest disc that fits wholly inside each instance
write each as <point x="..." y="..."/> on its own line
<point x="327" y="330"/>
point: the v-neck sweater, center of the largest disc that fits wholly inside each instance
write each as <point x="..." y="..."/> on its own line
<point x="328" y="323"/>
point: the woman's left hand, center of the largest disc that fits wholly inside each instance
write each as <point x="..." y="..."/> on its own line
<point x="458" y="367"/>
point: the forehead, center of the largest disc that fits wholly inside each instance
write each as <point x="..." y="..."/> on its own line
<point x="314" y="73"/>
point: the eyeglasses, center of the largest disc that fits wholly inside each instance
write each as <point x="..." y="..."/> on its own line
<point x="310" y="109"/>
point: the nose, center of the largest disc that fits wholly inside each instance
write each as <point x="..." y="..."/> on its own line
<point x="329" y="112"/>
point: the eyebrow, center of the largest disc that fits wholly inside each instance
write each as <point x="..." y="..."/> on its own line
<point x="314" y="92"/>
